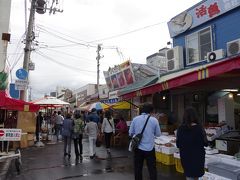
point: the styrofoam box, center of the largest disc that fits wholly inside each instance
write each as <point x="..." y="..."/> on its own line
<point x="211" y="151"/>
<point x="158" y="148"/>
<point x="169" y="150"/>
<point x="227" y="170"/>
<point x="210" y="159"/>
<point x="211" y="176"/>
<point x="176" y="155"/>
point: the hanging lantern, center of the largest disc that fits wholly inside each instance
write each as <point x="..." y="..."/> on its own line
<point x="41" y="6"/>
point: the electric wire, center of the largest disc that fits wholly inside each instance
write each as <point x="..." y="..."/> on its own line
<point x="50" y="28"/>
<point x="17" y="49"/>
<point x="62" y="64"/>
<point x="126" y="33"/>
<point x="77" y="57"/>
<point x="88" y="60"/>
<point x="63" y="38"/>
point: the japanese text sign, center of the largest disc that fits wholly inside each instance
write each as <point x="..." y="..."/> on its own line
<point x="204" y="12"/>
<point x="10" y="134"/>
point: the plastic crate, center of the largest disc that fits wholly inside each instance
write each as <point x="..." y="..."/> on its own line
<point x="158" y="157"/>
<point x="178" y="165"/>
<point x="168" y="159"/>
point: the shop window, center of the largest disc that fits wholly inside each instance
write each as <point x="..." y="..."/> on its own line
<point x="198" y="45"/>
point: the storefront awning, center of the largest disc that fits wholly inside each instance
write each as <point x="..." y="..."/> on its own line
<point x="121" y="105"/>
<point x="212" y="76"/>
<point x="138" y="85"/>
<point x="9" y="103"/>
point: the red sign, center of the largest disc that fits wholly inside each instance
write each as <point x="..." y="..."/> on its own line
<point x="1" y="133"/>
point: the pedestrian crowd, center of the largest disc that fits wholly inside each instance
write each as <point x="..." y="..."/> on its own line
<point x="74" y="125"/>
<point x="191" y="137"/>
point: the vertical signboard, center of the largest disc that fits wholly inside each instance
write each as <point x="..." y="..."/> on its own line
<point x="13" y="92"/>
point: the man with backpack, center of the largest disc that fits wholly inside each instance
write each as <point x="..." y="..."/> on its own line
<point x="78" y="128"/>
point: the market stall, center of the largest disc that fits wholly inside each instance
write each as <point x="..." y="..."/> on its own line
<point x="19" y="114"/>
<point x="48" y="104"/>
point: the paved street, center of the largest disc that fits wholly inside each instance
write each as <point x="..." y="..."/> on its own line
<point x="48" y="163"/>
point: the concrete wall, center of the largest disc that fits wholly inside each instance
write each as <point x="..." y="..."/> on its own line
<point x="5" y="9"/>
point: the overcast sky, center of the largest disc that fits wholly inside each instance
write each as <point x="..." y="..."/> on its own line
<point x="65" y="53"/>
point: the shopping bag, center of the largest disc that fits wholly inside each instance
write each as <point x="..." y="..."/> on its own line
<point x="99" y="140"/>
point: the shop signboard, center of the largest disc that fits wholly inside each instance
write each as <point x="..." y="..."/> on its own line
<point x="10" y="134"/>
<point x="119" y="76"/>
<point x="200" y="14"/>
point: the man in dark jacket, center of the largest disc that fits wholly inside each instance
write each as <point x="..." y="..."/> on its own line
<point x="93" y="116"/>
<point x="38" y="124"/>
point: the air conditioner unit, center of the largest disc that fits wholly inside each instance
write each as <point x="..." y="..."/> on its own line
<point x="215" y="55"/>
<point x="174" y="58"/>
<point x="233" y="47"/>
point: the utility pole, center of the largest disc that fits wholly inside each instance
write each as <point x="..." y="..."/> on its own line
<point x="40" y="6"/>
<point x="99" y="48"/>
<point x="27" y="49"/>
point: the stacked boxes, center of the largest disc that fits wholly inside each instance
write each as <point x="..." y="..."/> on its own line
<point x="167" y="155"/>
<point x="178" y="163"/>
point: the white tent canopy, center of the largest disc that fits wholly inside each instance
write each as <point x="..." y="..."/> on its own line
<point x="49" y="100"/>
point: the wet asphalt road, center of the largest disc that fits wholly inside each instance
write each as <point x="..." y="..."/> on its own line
<point x="48" y="163"/>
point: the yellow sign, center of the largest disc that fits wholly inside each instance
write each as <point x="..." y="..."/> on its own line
<point x="202" y="73"/>
<point x="26" y="107"/>
<point x="165" y="85"/>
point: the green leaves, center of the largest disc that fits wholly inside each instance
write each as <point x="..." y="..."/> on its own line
<point x="3" y="80"/>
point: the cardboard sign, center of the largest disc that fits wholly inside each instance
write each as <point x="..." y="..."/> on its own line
<point x="10" y="134"/>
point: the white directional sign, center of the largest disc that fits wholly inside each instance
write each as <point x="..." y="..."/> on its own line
<point x="10" y="134"/>
<point x="21" y="84"/>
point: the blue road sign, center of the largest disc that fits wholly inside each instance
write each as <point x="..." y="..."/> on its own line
<point x="21" y="74"/>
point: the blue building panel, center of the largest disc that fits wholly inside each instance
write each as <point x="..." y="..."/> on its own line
<point x="225" y="28"/>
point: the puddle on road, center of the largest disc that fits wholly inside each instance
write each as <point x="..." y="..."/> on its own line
<point x="108" y="168"/>
<point x="69" y="162"/>
<point x="94" y="172"/>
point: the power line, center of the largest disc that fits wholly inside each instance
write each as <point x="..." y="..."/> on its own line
<point x="58" y="46"/>
<point x="126" y="33"/>
<point x="47" y="27"/>
<point x="78" y="57"/>
<point x="63" y="38"/>
<point x="62" y="64"/>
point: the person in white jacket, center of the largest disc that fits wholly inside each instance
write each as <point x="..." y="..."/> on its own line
<point x="108" y="129"/>
<point x="91" y="129"/>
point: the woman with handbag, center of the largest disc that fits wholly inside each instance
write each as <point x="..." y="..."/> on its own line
<point x="108" y="129"/>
